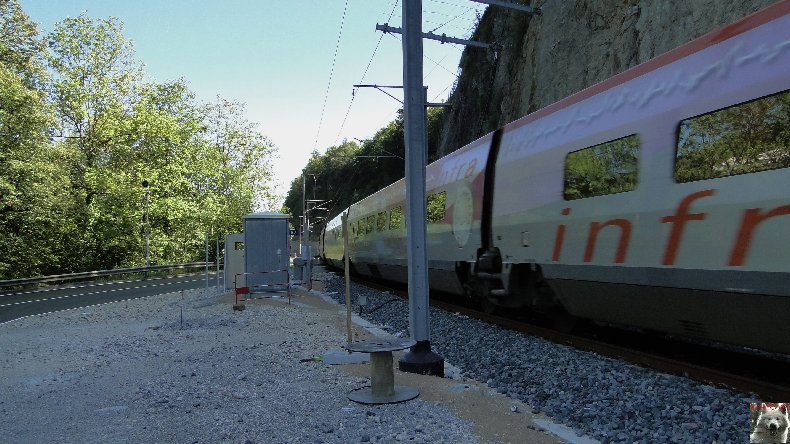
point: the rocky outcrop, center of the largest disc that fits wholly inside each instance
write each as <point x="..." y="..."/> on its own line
<point x="571" y="45"/>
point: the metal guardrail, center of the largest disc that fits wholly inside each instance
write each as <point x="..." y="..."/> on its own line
<point x="92" y="274"/>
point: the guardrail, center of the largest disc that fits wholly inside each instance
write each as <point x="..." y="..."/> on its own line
<point x="93" y="274"/>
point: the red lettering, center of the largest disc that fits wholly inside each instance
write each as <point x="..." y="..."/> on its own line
<point x="678" y="222"/>
<point x="559" y="237"/>
<point x="751" y="219"/>
<point x="622" y="244"/>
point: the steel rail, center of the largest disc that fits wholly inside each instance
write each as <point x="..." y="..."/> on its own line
<point x="767" y="391"/>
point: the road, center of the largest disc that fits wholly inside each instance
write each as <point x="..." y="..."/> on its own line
<point x="23" y="303"/>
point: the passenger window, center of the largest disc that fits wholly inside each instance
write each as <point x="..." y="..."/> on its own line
<point x="360" y="227"/>
<point x="396" y="216"/>
<point x="745" y="138"/>
<point x="381" y="221"/>
<point x="606" y="168"/>
<point x="371" y="224"/>
<point x="436" y="206"/>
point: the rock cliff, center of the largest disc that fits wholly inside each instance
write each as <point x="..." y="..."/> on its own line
<point x="571" y="45"/>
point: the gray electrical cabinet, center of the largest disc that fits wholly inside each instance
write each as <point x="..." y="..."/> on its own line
<point x="234" y="261"/>
<point x="266" y="252"/>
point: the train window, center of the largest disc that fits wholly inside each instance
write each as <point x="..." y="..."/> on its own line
<point x="396" y="216"/>
<point x="744" y="138"/>
<point x="371" y="224"/>
<point x="606" y="168"/>
<point x="360" y="227"/>
<point x="381" y="221"/>
<point x="238" y="246"/>
<point x="436" y="206"/>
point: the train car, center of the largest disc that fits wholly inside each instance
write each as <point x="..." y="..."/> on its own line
<point x="377" y="224"/>
<point x="657" y="199"/>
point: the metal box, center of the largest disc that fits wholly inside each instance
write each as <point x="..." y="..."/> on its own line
<point x="266" y="252"/>
<point x="234" y="261"/>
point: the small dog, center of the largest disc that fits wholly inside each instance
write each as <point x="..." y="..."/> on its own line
<point x="772" y="425"/>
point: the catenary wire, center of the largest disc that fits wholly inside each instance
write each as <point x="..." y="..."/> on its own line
<point x="331" y="74"/>
<point x="365" y="73"/>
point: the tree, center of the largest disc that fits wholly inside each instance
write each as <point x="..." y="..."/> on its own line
<point x="205" y="163"/>
<point x="34" y="224"/>
<point x="349" y="172"/>
<point x="744" y="138"/>
<point x="95" y="84"/>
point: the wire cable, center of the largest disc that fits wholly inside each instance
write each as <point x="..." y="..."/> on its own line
<point x="365" y="73"/>
<point x="432" y="60"/>
<point x="331" y="74"/>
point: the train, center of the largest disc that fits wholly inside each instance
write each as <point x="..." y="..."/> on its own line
<point x="658" y="199"/>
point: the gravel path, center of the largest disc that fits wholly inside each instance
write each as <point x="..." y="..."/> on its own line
<point x="607" y="399"/>
<point x="129" y="372"/>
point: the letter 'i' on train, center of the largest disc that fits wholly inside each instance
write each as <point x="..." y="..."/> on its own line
<point x="657" y="199"/>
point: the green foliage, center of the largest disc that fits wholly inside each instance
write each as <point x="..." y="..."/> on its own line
<point x="21" y="48"/>
<point x="76" y="202"/>
<point x="349" y="172"/>
<point x="607" y="168"/>
<point x="745" y="138"/>
<point x="30" y="167"/>
<point x="436" y="206"/>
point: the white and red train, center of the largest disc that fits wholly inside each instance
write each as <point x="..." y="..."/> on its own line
<point x="657" y="199"/>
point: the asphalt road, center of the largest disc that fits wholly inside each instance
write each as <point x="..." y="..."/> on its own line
<point x="23" y="303"/>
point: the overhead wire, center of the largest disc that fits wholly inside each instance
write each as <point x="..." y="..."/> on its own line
<point x="432" y="60"/>
<point x="455" y="5"/>
<point x="458" y="27"/>
<point x="353" y="94"/>
<point x="434" y="68"/>
<point x="331" y="74"/>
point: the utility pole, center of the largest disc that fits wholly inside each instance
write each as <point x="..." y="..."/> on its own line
<point x="147" y="227"/>
<point x="420" y="358"/>
<point x="206" y="244"/>
<point x="431" y="36"/>
<point x="301" y="228"/>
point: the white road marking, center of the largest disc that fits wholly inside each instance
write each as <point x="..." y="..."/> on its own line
<point x="101" y="291"/>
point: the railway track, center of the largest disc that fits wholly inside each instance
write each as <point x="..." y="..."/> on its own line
<point x="755" y="373"/>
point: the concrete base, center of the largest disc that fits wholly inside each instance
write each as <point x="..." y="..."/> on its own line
<point x="239" y="307"/>
<point x="420" y="359"/>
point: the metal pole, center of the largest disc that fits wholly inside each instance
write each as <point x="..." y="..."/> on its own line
<point x="207" y="264"/>
<point x="419" y="359"/>
<point x="301" y="228"/>
<point x="145" y="184"/>
<point x="147" y="230"/>
<point x="307" y="255"/>
<point x="217" y="264"/>
<point x="344" y="219"/>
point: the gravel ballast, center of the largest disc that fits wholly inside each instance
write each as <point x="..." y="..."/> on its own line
<point x="129" y="372"/>
<point x="607" y="399"/>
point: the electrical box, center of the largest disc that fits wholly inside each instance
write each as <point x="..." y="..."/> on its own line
<point x="266" y="252"/>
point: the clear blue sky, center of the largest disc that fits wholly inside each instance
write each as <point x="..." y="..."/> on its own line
<point x="276" y="56"/>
